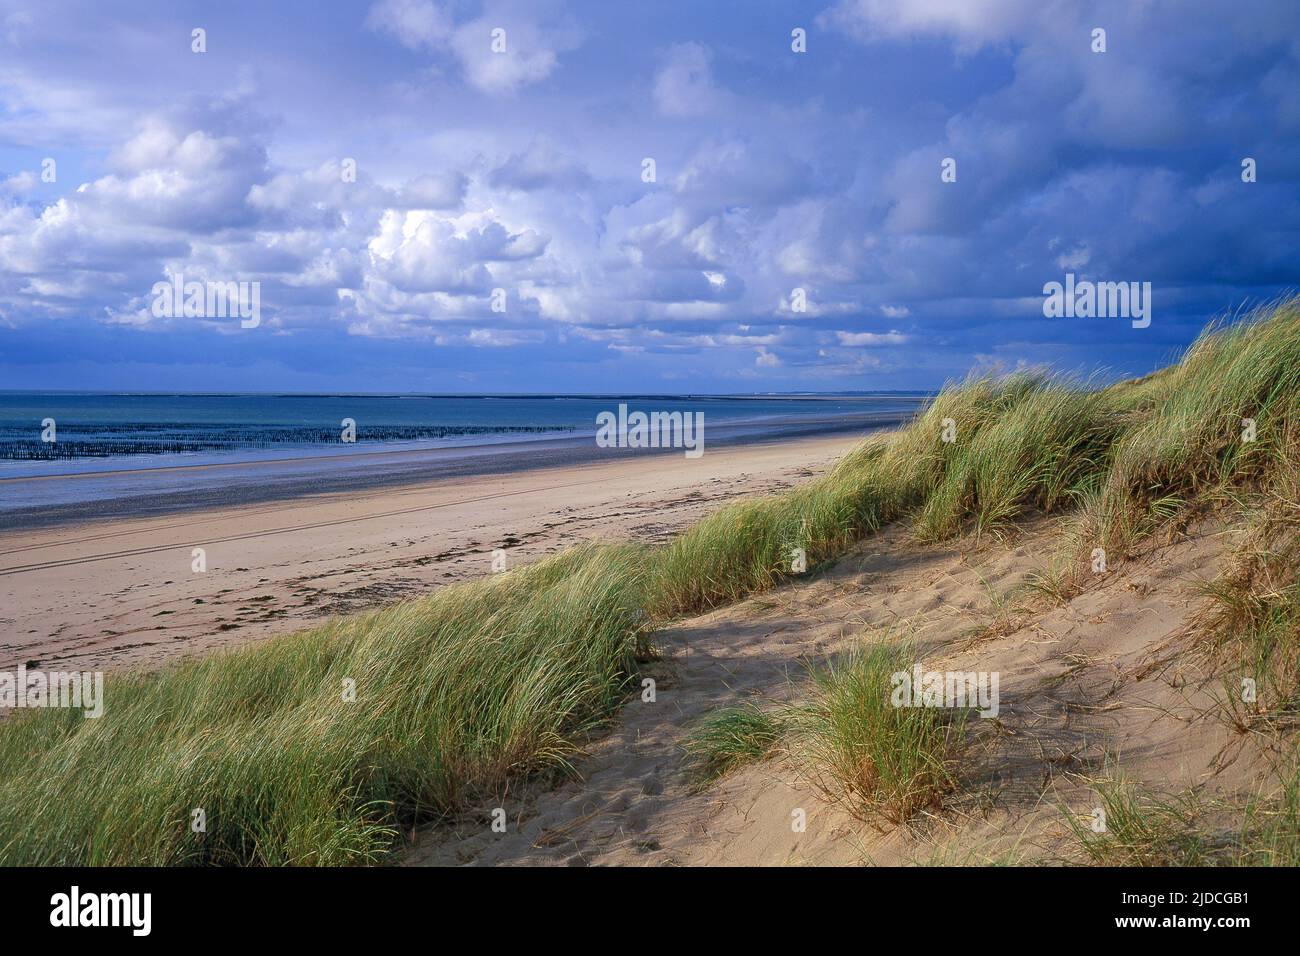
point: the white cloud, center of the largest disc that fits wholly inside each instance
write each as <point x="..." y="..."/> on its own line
<point x="500" y="52"/>
<point x="503" y="338"/>
<point x="971" y="22"/>
<point x="1075" y="258"/>
<point x="684" y="85"/>
<point x="527" y="58"/>
<point x="542" y="165"/>
<point x="420" y="252"/>
<point x="22" y="182"/>
<point x="855" y="339"/>
<point x="415" y="23"/>
<point x="445" y="190"/>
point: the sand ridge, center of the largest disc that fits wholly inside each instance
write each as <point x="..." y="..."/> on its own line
<point x="1097" y="679"/>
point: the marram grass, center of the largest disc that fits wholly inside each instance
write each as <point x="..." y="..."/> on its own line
<point x="458" y="692"/>
<point x="452" y="693"/>
<point x="878" y="760"/>
<point x="1146" y="827"/>
<point x="730" y="738"/>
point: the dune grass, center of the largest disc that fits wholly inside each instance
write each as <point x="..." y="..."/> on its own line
<point x="1144" y="827"/>
<point x="1032" y="443"/>
<point x="452" y="693"/>
<point x="1252" y="617"/>
<point x="460" y="691"/>
<point x="1190" y="438"/>
<point x="878" y="760"/>
<point x="730" y="738"/>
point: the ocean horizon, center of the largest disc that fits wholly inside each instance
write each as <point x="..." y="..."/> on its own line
<point x="60" y="432"/>
<point x="73" y="455"/>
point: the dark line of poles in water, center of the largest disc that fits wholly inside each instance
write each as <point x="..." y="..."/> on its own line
<point x="225" y="438"/>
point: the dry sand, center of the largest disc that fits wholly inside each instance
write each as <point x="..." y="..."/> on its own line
<point x="1108" y="676"/>
<point x="104" y="594"/>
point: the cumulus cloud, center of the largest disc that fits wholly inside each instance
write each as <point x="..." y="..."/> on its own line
<point x="419" y="252"/>
<point x="207" y="205"/>
<point x="500" y="52"/>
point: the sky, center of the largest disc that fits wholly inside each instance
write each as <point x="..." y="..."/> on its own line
<point x="455" y="195"/>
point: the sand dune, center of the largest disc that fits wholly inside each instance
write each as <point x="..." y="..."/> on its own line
<point x="1105" y="676"/>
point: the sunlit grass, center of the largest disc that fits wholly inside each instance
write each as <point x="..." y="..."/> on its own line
<point x="879" y="760"/>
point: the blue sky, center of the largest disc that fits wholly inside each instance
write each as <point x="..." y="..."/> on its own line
<point x="522" y="170"/>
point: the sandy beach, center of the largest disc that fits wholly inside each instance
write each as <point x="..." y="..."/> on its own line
<point x="120" y="591"/>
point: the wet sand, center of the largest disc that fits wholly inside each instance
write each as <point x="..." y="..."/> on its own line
<point x="147" y="486"/>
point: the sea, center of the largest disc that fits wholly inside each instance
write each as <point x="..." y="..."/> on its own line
<point x="169" y="445"/>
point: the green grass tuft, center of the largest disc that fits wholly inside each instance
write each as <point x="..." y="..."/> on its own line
<point x="730" y="738"/>
<point x="1146" y="828"/>
<point x="873" y="757"/>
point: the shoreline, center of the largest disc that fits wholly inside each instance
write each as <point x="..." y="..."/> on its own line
<point x="50" y="501"/>
<point x="120" y="591"/>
